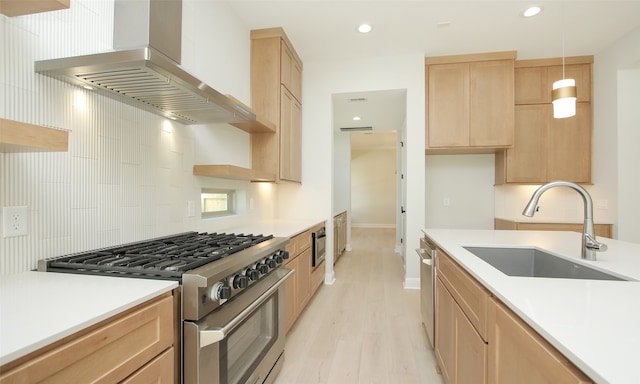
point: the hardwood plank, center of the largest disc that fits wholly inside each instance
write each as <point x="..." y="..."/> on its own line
<point x="365" y="328"/>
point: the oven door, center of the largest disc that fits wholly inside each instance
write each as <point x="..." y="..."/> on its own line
<point x="319" y="247"/>
<point x="243" y="340"/>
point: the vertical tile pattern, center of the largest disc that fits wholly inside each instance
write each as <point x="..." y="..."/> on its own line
<point x="125" y="177"/>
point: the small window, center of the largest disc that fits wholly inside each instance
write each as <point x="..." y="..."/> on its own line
<point x="215" y="202"/>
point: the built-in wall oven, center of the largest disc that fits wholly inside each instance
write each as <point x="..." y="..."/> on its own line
<point x="232" y="299"/>
<point x="319" y="245"/>
<point x="427" y="254"/>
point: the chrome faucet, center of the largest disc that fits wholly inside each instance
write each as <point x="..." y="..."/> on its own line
<point x="589" y="243"/>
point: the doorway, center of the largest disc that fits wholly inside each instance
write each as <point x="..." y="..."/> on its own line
<point x="368" y="171"/>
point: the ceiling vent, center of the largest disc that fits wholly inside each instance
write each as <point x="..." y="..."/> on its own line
<point x="356" y="129"/>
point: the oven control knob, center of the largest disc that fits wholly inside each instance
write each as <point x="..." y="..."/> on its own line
<point x="285" y="254"/>
<point x="271" y="263"/>
<point x="240" y="281"/>
<point x="220" y="292"/>
<point x="253" y="274"/>
<point x="263" y="268"/>
<point x="279" y="258"/>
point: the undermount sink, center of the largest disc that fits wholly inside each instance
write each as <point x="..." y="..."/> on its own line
<point x="532" y="262"/>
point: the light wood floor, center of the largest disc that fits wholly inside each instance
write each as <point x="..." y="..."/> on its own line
<point x="365" y="328"/>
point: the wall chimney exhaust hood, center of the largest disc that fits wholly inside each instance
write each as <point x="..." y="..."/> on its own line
<point x="144" y="68"/>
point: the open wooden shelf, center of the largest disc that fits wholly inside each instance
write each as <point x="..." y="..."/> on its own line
<point x="260" y="125"/>
<point x="16" y="136"/>
<point x="26" y="7"/>
<point x="226" y="171"/>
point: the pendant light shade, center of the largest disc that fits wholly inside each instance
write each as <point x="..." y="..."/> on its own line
<point x="564" y="98"/>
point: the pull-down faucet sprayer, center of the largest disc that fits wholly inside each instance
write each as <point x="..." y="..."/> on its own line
<point x="589" y="243"/>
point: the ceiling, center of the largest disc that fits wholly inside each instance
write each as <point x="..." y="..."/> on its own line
<point x="325" y="30"/>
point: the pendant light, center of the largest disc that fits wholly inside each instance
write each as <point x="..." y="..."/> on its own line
<point x="563" y="94"/>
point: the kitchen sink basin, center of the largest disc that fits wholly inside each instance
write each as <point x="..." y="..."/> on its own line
<point x="532" y="262"/>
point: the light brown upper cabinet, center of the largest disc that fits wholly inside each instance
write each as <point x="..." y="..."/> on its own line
<point x="534" y="78"/>
<point x="470" y="101"/>
<point x="276" y="94"/>
<point x="547" y="149"/>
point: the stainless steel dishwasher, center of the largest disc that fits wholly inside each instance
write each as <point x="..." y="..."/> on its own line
<point x="427" y="253"/>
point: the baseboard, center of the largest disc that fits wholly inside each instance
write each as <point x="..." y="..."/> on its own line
<point x="411" y="283"/>
<point x="370" y="225"/>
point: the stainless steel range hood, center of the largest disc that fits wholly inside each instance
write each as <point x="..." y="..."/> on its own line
<point x="144" y="70"/>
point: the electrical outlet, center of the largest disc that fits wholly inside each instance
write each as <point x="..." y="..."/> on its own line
<point x="14" y="221"/>
<point x="446" y="202"/>
<point x="191" y="208"/>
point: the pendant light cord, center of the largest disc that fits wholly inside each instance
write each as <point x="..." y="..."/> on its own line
<point x="563" y="26"/>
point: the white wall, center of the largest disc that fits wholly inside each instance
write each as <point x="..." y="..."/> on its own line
<point x="341" y="172"/>
<point x="373" y="187"/>
<point x="466" y="182"/>
<point x="628" y="157"/>
<point x="128" y="174"/>
<point x="321" y="80"/>
<point x="616" y="124"/>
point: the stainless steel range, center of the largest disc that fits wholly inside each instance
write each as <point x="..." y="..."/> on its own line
<point x="232" y="297"/>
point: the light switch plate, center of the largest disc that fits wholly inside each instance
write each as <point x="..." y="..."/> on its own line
<point x="14" y="221"/>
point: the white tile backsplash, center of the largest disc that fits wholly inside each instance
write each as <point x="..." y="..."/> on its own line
<point x="128" y="173"/>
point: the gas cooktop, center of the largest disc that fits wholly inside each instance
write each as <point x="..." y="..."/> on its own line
<point x="161" y="258"/>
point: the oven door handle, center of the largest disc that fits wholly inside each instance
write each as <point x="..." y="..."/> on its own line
<point x="212" y="336"/>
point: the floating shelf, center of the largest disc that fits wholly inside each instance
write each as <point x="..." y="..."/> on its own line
<point x="226" y="171"/>
<point x="26" y="7"/>
<point x="16" y="136"/>
<point x="260" y="125"/>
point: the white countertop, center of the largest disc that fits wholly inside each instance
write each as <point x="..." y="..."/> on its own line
<point x="595" y="324"/>
<point x="277" y="228"/>
<point x="38" y="308"/>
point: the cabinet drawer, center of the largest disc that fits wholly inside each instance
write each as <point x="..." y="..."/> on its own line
<point x="467" y="292"/>
<point x="160" y="370"/>
<point x="304" y="240"/>
<point x="108" y="353"/>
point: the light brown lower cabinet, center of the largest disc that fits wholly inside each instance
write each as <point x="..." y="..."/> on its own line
<point x="460" y="351"/>
<point x="118" y="349"/>
<point x="479" y="340"/>
<point x="517" y="354"/>
<point x="299" y="287"/>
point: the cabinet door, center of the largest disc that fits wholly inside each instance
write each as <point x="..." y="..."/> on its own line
<point x="491" y="103"/>
<point x="532" y="86"/>
<point x="303" y="288"/>
<point x="290" y="71"/>
<point x="445" y="332"/>
<point x="448" y="105"/>
<point x="290" y="137"/>
<point x="517" y="354"/>
<point x="569" y="146"/>
<point x="471" y="351"/>
<point x="460" y="351"/>
<point x="581" y="73"/>
<point x="526" y="161"/>
<point x="291" y="309"/>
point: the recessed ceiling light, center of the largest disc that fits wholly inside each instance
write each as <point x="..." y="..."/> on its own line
<point x="364" y="28"/>
<point x="356" y="118"/>
<point x="532" y="11"/>
<point x="88" y="87"/>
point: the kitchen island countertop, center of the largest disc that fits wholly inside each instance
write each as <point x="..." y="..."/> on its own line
<point x="39" y="308"/>
<point x="595" y="324"/>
